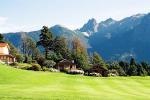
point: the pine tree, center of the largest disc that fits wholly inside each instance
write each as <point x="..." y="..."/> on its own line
<point x="45" y="40"/>
<point x="96" y="59"/>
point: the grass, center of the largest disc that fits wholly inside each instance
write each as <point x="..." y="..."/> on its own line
<point x="17" y="84"/>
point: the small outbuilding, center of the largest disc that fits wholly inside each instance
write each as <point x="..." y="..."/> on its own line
<point x="66" y="65"/>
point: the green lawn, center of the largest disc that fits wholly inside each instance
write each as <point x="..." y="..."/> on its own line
<point x="16" y="84"/>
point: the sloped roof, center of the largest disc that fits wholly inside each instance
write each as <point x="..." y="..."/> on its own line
<point x="65" y="61"/>
<point x="4" y="44"/>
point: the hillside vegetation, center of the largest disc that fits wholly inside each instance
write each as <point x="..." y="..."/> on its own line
<point x="16" y="84"/>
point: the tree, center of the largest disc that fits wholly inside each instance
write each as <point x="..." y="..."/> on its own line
<point x="96" y="59"/>
<point x="133" y="68"/>
<point x="60" y="47"/>
<point x="1" y="38"/>
<point x="79" y="53"/>
<point x="125" y="66"/>
<point x="29" y="49"/>
<point x="141" y="71"/>
<point x="45" y="40"/>
<point x="13" y="50"/>
<point x="132" y="62"/>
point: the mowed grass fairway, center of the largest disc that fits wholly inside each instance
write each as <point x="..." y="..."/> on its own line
<point x="16" y="84"/>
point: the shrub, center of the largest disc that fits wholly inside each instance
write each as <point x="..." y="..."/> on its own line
<point x="50" y="69"/>
<point x="24" y="66"/>
<point x="113" y="73"/>
<point x="53" y="70"/>
<point x="49" y="63"/>
<point x="14" y="64"/>
<point x="95" y="74"/>
<point x="19" y="58"/>
<point x="40" y="60"/>
<point x="75" y="72"/>
<point x="34" y="61"/>
<point x="35" y="67"/>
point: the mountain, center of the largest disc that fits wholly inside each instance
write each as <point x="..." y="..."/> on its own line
<point x="90" y="27"/>
<point x="114" y="40"/>
<point x="124" y="39"/>
<point x="57" y="30"/>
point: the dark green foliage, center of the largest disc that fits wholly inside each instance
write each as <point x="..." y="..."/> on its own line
<point x="40" y="60"/>
<point x="55" y="57"/>
<point x="96" y="59"/>
<point x="1" y="38"/>
<point x="14" y="64"/>
<point x="49" y="63"/>
<point x="35" y="67"/>
<point x="29" y="49"/>
<point x="19" y="58"/>
<point x="13" y="50"/>
<point x="132" y="62"/>
<point x="124" y="66"/>
<point x="27" y="59"/>
<point x="130" y="69"/>
<point x="141" y="71"/>
<point x="80" y="54"/>
<point x="45" y="40"/>
<point x="146" y="66"/>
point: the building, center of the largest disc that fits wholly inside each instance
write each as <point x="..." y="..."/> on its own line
<point x="4" y="53"/>
<point x="66" y="65"/>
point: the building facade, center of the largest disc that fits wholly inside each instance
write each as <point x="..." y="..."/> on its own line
<point x="5" y="56"/>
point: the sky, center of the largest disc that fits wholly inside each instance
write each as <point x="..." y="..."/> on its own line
<point x="30" y="15"/>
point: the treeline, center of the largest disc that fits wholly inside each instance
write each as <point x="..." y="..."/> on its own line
<point x="50" y="49"/>
<point x="131" y="68"/>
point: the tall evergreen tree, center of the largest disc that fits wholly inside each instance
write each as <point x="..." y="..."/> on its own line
<point x="46" y="38"/>
<point x="60" y="46"/>
<point x="96" y="59"/>
<point x="1" y="38"/>
<point x="133" y="68"/>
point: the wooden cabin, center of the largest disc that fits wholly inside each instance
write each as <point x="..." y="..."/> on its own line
<point x="99" y="69"/>
<point x="4" y="53"/>
<point x="66" y="65"/>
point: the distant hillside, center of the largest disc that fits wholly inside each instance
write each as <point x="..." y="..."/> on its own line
<point x="124" y="39"/>
<point x="57" y="30"/>
<point x="114" y="40"/>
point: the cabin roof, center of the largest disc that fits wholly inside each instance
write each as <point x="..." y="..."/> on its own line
<point x="65" y="61"/>
<point x="4" y="45"/>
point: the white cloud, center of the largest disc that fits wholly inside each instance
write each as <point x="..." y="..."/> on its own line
<point x="3" y="20"/>
<point x="6" y="26"/>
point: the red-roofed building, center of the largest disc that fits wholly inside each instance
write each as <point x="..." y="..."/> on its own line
<point x="4" y="53"/>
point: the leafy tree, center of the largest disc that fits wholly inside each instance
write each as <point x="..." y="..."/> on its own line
<point x="45" y="40"/>
<point x="133" y="68"/>
<point x="60" y="47"/>
<point x="29" y="49"/>
<point x="125" y="66"/>
<point x="80" y="55"/>
<point x="19" y="58"/>
<point x="49" y="63"/>
<point x="132" y="62"/>
<point x="96" y="59"/>
<point x="141" y="71"/>
<point x="118" y="68"/>
<point x="146" y="66"/>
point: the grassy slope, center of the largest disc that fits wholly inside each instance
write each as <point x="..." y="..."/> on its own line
<point x="18" y="84"/>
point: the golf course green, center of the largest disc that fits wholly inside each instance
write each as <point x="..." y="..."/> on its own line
<point x="17" y="84"/>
